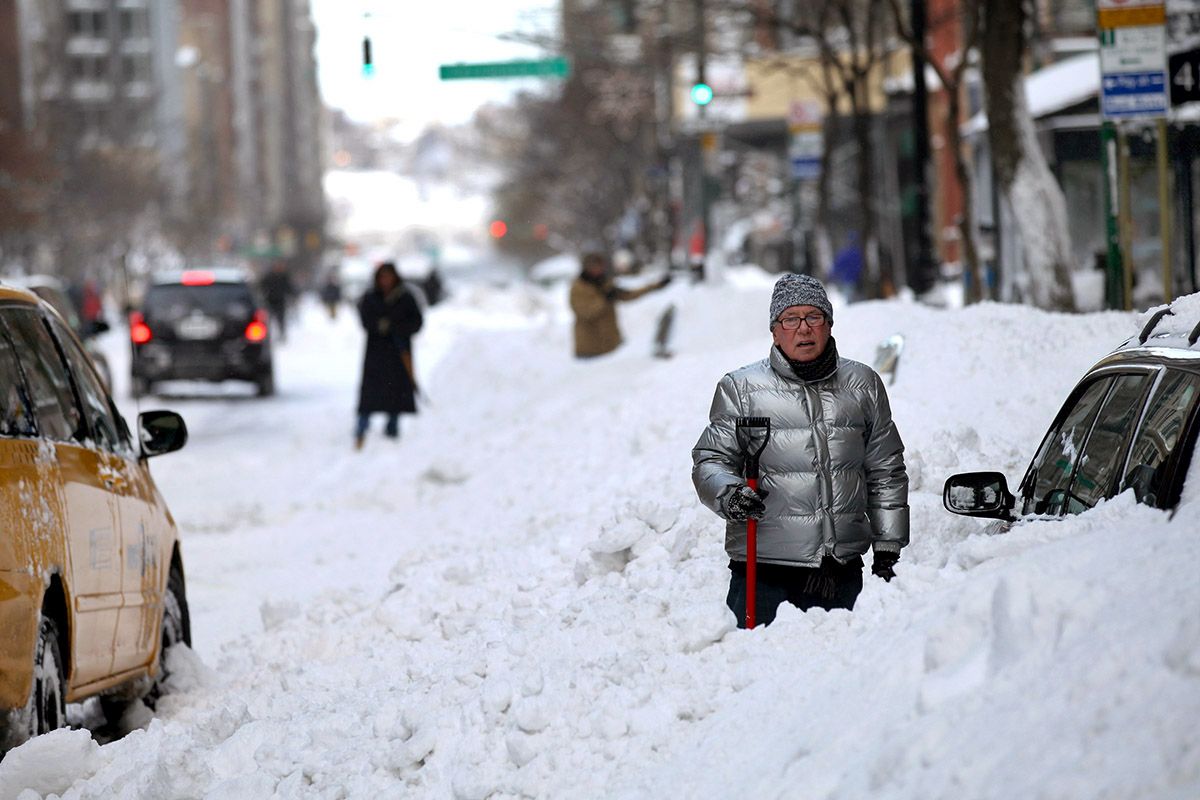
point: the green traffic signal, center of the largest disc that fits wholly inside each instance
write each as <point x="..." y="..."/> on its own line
<point x="368" y="64"/>
<point x="702" y="94"/>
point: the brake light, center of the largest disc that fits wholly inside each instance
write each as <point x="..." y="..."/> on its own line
<point x="139" y="331"/>
<point x="256" y="331"/>
<point x="198" y="277"/>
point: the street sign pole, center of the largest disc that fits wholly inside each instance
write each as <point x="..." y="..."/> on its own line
<point x="1125" y="220"/>
<point x="806" y="143"/>
<point x="1165" y="211"/>
<point x="1114" y="286"/>
<point x="1134" y="86"/>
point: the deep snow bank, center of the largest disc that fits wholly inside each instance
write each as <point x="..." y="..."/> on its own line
<point x="552" y="623"/>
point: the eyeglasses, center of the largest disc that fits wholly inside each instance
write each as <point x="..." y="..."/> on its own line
<point x="815" y="320"/>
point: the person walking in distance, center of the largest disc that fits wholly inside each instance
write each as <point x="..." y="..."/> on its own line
<point x="391" y="317"/>
<point x="833" y="483"/>
<point x="277" y="291"/>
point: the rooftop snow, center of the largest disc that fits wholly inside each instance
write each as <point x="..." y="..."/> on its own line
<point x="1052" y="88"/>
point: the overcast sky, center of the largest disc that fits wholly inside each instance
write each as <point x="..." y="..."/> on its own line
<point x="410" y="38"/>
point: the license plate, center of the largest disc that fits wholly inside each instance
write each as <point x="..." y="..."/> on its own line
<point x="197" y="328"/>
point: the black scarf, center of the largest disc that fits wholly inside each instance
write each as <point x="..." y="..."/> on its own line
<point x="819" y="368"/>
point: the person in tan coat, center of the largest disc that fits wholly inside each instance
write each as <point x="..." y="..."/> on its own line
<point x="594" y="299"/>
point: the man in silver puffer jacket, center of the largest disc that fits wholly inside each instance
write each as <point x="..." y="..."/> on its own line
<point x="833" y="482"/>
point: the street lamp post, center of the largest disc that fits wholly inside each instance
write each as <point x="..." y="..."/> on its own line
<point x="923" y="274"/>
<point x="706" y="141"/>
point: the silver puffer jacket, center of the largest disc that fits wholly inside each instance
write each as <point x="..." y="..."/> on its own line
<point x="834" y="466"/>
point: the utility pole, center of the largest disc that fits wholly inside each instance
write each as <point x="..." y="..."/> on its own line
<point x="706" y="136"/>
<point x="923" y="274"/>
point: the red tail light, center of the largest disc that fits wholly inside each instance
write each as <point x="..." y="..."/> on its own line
<point x="256" y="331"/>
<point x="198" y="277"/>
<point x="139" y="331"/>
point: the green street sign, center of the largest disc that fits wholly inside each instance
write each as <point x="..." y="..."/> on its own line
<point x="541" y="68"/>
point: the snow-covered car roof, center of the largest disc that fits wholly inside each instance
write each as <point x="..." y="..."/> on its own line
<point x="1173" y="328"/>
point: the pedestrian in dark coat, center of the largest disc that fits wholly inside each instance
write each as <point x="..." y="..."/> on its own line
<point x="391" y="317"/>
<point x="277" y="291"/>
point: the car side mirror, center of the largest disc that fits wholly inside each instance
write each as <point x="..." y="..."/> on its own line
<point x="100" y="326"/>
<point x="979" y="494"/>
<point x="887" y="356"/>
<point x="161" y="432"/>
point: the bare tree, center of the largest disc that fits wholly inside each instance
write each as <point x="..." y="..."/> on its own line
<point x="96" y="207"/>
<point x="1027" y="185"/>
<point x="952" y="76"/>
<point x="25" y="172"/>
<point x="576" y="159"/>
<point x="853" y="40"/>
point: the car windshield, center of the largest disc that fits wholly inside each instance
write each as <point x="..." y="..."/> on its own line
<point x="172" y="301"/>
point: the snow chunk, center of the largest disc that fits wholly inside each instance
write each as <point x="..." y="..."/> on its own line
<point x="49" y="764"/>
<point x="276" y="613"/>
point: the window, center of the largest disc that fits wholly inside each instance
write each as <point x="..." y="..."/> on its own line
<point x="133" y="22"/>
<point x="1045" y="485"/>
<point x="106" y="427"/>
<point x="172" y="302"/>
<point x="1149" y="469"/>
<point x="1100" y="463"/>
<point x="100" y="23"/>
<point x="16" y="415"/>
<point x="134" y="68"/>
<point x="75" y="22"/>
<point x="58" y="416"/>
<point x="79" y="67"/>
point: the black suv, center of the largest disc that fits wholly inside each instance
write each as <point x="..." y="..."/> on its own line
<point x="201" y="325"/>
<point x="1131" y="423"/>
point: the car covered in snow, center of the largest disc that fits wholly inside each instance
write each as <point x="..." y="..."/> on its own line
<point x="91" y="576"/>
<point x="1130" y="424"/>
<point x="201" y="324"/>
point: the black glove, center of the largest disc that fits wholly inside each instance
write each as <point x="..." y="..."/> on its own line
<point x="666" y="281"/>
<point x="884" y="563"/>
<point x="612" y="294"/>
<point x="744" y="503"/>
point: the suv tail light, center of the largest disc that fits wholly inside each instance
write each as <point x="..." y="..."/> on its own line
<point x="256" y="331"/>
<point x="139" y="331"/>
<point x="198" y="277"/>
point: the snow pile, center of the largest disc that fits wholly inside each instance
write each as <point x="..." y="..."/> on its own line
<point x="524" y="599"/>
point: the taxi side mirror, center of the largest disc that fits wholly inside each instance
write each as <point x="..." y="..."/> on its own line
<point x="161" y="432"/>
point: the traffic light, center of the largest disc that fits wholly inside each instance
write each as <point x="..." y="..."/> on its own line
<point x="498" y="229"/>
<point x="702" y="94"/>
<point x="368" y="65"/>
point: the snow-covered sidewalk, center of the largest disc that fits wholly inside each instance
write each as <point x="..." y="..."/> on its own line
<point x="524" y="599"/>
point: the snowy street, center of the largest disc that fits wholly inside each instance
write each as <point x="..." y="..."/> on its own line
<point x="523" y="597"/>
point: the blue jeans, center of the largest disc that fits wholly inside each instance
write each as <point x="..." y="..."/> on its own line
<point x="391" y="430"/>
<point x="829" y="586"/>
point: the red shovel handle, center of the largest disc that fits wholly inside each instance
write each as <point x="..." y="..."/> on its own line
<point x="751" y="561"/>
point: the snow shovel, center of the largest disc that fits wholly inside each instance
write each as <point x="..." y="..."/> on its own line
<point x="753" y="433"/>
<point x="406" y="357"/>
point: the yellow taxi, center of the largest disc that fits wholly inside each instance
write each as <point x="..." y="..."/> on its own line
<point x="91" y="577"/>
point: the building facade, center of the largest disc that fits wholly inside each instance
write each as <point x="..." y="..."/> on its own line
<point x="217" y="99"/>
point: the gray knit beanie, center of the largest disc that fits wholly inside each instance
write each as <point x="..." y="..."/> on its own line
<point x="799" y="290"/>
